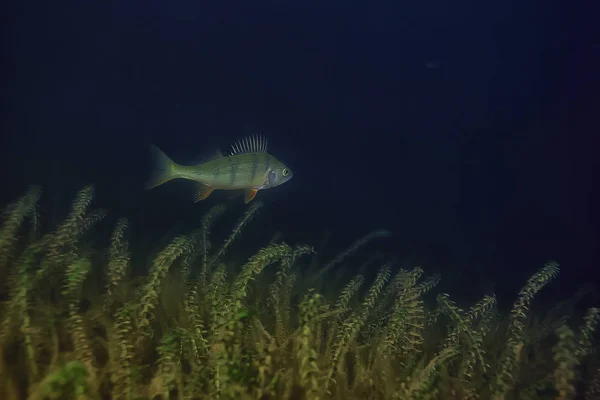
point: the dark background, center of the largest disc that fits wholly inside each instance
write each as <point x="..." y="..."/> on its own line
<point x="466" y="128"/>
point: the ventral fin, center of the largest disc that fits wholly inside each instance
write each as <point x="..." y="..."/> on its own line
<point x="202" y="192"/>
<point x="250" y="144"/>
<point x="250" y="195"/>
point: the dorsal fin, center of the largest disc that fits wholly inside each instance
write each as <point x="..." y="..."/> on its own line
<point x="250" y="144"/>
<point x="212" y="156"/>
<point x="207" y="157"/>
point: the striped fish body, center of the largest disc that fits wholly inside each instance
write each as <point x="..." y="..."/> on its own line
<point x="248" y="166"/>
<point x="241" y="171"/>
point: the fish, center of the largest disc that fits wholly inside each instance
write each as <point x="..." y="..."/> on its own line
<point x="247" y="166"/>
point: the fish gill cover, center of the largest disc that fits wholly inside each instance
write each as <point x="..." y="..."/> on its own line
<point x="202" y="324"/>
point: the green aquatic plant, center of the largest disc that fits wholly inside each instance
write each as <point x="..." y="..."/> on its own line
<point x="76" y="324"/>
<point x="69" y="382"/>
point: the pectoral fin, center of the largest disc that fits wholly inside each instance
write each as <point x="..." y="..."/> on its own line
<point x="202" y="192"/>
<point x="250" y="195"/>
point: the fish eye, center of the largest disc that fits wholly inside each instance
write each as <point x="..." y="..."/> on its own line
<point x="285" y="172"/>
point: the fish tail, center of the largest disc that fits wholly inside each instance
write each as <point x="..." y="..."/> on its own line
<point x="164" y="168"/>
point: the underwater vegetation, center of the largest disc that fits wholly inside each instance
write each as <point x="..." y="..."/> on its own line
<point x="76" y="323"/>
